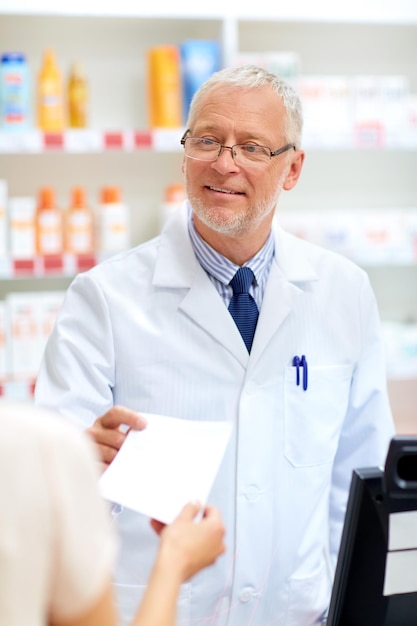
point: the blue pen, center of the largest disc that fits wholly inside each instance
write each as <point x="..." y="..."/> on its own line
<point x="296" y="363"/>
<point x="304" y="365"/>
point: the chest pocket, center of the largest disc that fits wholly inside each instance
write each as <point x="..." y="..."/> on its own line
<point x="313" y="418"/>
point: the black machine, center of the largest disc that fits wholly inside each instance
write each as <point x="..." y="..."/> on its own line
<point x="358" y="591"/>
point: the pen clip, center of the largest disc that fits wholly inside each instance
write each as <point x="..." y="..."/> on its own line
<point x="305" y="372"/>
<point x="296" y="363"/>
<point x="301" y="363"/>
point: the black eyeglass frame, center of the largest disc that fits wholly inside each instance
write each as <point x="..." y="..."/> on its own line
<point x="222" y="146"/>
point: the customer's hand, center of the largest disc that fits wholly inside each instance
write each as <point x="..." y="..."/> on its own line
<point x="109" y="431"/>
<point x="189" y="546"/>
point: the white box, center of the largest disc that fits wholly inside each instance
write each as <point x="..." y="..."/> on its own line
<point x="30" y="319"/>
<point x="3" y="353"/>
<point x="3" y="220"/>
<point x="23" y="335"/>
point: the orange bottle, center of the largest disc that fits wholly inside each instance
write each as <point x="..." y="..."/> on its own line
<point x="164" y="87"/>
<point x="79" y="225"/>
<point x="51" y="115"/>
<point x="48" y="223"/>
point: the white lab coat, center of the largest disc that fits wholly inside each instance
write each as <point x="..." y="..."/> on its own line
<point x="148" y="330"/>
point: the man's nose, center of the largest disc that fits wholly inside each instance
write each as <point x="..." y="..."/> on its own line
<point x="225" y="162"/>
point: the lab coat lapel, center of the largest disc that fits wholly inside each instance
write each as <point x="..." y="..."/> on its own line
<point x="177" y="267"/>
<point x="279" y="300"/>
<point x="205" y="306"/>
<point x="290" y="271"/>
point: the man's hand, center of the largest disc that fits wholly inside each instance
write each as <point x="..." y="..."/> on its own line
<point x="108" y="434"/>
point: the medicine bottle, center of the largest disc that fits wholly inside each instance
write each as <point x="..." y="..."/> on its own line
<point x="174" y="196"/>
<point x="79" y="224"/>
<point x="50" y="105"/>
<point x="77" y="97"/>
<point x="22" y="227"/>
<point x="114" y="222"/>
<point x="164" y="87"/>
<point x="49" y="227"/>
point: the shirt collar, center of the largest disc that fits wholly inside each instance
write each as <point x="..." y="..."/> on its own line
<point x="220" y="267"/>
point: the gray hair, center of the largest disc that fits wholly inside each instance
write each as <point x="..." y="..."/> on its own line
<point x="253" y="77"/>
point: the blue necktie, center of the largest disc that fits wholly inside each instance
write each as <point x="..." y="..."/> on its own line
<point x="242" y="306"/>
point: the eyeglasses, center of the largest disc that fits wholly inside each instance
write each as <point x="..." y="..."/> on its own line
<point x="204" y="149"/>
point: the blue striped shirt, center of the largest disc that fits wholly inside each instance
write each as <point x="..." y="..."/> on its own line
<point x="221" y="271"/>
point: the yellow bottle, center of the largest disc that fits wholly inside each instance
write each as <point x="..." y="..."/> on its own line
<point x="51" y="117"/>
<point x="79" y="225"/>
<point x="77" y="98"/>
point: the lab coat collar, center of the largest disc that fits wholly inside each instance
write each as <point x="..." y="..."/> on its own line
<point x="176" y="263"/>
<point x="293" y="256"/>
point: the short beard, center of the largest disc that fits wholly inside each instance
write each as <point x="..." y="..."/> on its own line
<point x="238" y="223"/>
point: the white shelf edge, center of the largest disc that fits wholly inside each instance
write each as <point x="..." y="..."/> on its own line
<point x="354" y="11"/>
<point x="93" y="141"/>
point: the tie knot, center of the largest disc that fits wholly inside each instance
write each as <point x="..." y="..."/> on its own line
<point x="242" y="280"/>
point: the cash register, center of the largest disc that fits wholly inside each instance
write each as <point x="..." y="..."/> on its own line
<point x="375" y="582"/>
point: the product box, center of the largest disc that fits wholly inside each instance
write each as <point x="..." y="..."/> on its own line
<point x="394" y="100"/>
<point x="3" y="220"/>
<point x="380" y="110"/>
<point x="199" y="59"/>
<point x="410" y="139"/>
<point x="306" y="224"/>
<point x="23" y="335"/>
<point x="383" y="238"/>
<point x="30" y="319"/>
<point x="3" y="353"/>
<point x="14" y="91"/>
<point x="327" y="110"/>
<point x="341" y="231"/>
<point x="410" y="221"/>
<point x="400" y="341"/>
<point x="49" y="305"/>
<point x="368" y="125"/>
<point x="285" y="64"/>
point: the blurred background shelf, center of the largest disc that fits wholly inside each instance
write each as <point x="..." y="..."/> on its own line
<point x="373" y="38"/>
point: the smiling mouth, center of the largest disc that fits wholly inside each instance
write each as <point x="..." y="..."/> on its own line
<point x="227" y="191"/>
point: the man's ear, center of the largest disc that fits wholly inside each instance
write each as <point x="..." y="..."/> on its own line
<point x="294" y="170"/>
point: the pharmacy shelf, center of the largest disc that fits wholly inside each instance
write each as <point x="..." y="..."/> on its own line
<point x="112" y="42"/>
<point x="17" y="390"/>
<point x="90" y="141"/>
<point x="67" y="265"/>
<point x="57" y="265"/>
